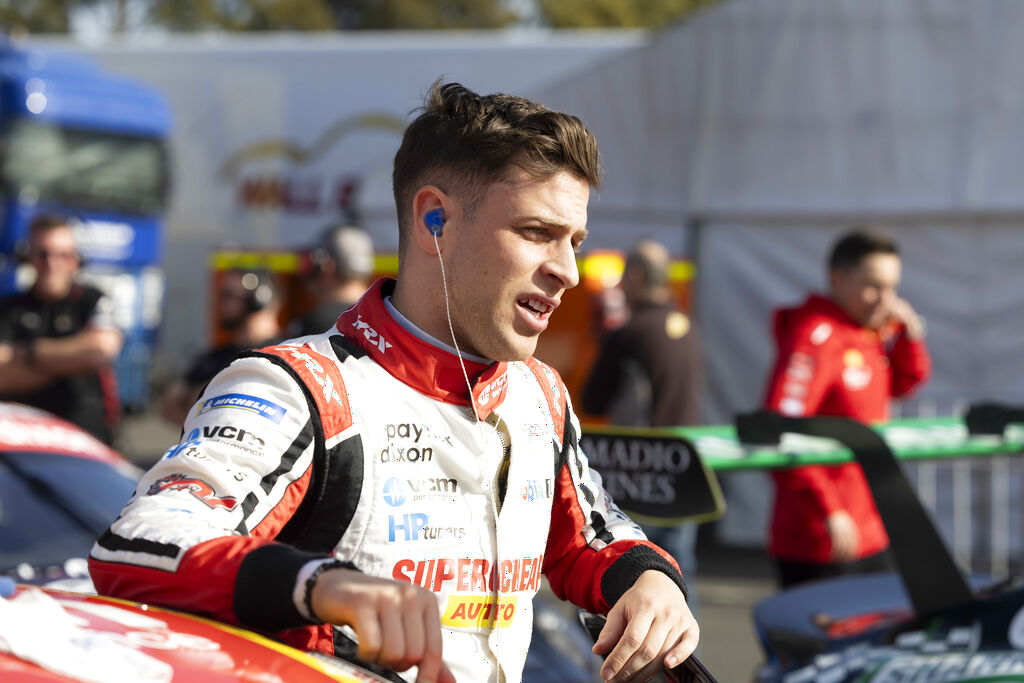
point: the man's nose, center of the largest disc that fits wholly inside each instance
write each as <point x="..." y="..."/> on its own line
<point x="562" y="266"/>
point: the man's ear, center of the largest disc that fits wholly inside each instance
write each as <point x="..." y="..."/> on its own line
<point x="432" y="210"/>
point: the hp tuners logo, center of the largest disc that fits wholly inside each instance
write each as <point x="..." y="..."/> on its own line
<point x="410" y="526"/>
<point x="414" y="527"/>
<point x="394" y="495"/>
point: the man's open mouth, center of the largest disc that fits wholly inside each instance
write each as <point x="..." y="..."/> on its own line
<point x="536" y="306"/>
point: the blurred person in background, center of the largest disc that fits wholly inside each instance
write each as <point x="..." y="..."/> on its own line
<point x="58" y="339"/>
<point x="249" y="306"/>
<point x="846" y="353"/>
<point x="648" y="372"/>
<point x="341" y="270"/>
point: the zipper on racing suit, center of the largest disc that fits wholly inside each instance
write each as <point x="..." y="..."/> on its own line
<point x="500" y="488"/>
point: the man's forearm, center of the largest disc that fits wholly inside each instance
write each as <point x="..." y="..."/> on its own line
<point x="82" y="352"/>
<point x="18" y="375"/>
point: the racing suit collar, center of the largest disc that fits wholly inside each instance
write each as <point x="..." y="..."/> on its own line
<point x="428" y="369"/>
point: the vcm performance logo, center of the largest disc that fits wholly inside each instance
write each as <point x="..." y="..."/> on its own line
<point x="253" y="404"/>
<point x="397" y="491"/>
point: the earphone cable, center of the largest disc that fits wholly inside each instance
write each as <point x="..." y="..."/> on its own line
<point x="451" y="328"/>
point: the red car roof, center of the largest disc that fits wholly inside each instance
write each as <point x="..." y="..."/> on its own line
<point x="28" y="429"/>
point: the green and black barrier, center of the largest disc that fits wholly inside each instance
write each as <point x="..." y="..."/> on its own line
<point x="667" y="476"/>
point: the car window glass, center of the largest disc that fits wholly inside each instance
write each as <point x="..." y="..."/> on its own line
<point x="53" y="506"/>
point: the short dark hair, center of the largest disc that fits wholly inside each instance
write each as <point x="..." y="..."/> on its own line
<point x="43" y="222"/>
<point x="854" y="246"/>
<point x="462" y="142"/>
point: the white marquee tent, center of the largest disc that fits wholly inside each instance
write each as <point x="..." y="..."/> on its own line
<point x="752" y="135"/>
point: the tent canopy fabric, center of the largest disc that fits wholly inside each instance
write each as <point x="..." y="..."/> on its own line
<point x="774" y="125"/>
<point x="814" y="106"/>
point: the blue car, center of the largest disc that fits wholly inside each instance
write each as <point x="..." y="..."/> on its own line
<point x="925" y="623"/>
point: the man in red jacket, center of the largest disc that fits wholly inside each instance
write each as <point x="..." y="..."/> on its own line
<point x="844" y="354"/>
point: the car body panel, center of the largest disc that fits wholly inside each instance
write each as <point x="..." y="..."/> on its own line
<point x="145" y="643"/>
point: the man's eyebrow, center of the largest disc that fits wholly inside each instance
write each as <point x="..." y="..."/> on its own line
<point x="553" y="223"/>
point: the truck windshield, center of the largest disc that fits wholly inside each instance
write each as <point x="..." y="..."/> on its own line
<point x="83" y="169"/>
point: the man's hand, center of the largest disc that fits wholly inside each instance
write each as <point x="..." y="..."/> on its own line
<point x="845" y="538"/>
<point x="650" y="626"/>
<point x="901" y="310"/>
<point x="398" y="624"/>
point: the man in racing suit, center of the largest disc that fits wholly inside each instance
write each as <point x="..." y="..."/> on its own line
<point x="846" y="354"/>
<point x="375" y="478"/>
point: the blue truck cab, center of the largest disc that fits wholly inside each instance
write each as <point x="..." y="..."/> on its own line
<point x="92" y="146"/>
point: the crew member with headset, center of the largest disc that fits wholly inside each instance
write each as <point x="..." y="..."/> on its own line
<point x="249" y="306"/>
<point x="342" y="263"/>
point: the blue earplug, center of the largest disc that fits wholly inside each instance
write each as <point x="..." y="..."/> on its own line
<point x="434" y="220"/>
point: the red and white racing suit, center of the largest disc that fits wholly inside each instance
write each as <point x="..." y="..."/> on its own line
<point x="360" y="443"/>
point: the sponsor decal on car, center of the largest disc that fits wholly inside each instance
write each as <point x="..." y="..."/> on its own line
<point x="953" y="667"/>
<point x="479" y="612"/>
<point x="464" y="574"/>
<point x="254" y="404"/>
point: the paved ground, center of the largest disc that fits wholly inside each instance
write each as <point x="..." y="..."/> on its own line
<point x="729" y="581"/>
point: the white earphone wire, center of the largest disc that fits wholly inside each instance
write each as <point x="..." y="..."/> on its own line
<point x="451" y="328"/>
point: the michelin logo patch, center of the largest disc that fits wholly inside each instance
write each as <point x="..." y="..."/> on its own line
<point x="253" y="404"/>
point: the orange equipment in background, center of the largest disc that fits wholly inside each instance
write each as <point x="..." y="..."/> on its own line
<point x="569" y="345"/>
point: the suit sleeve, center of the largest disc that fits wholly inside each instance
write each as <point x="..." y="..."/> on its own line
<point x="198" y="533"/>
<point x="801" y="378"/>
<point x="594" y="552"/>
<point x="910" y="363"/>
